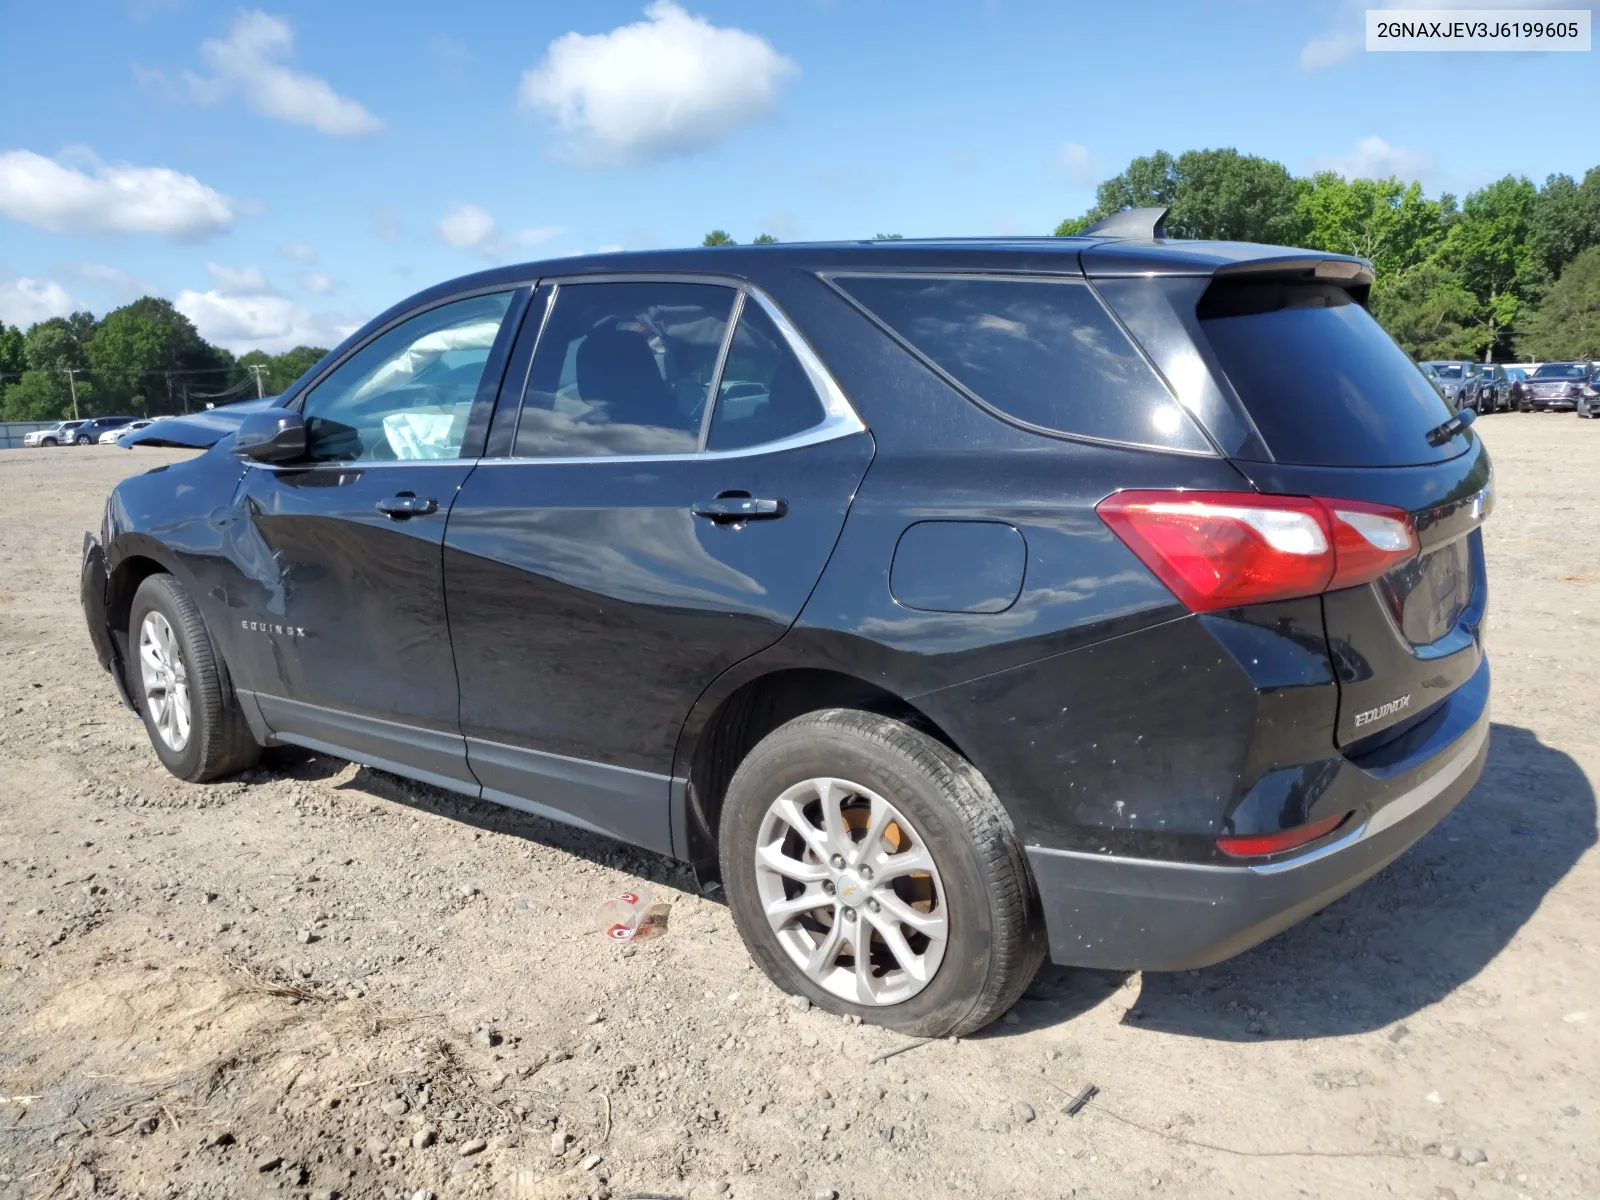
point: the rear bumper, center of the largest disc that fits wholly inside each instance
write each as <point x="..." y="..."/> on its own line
<point x="1142" y="914"/>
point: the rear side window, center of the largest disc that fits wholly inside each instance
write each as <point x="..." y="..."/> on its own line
<point x="1045" y="353"/>
<point x="764" y="394"/>
<point x="1325" y="385"/>
<point x="623" y="369"/>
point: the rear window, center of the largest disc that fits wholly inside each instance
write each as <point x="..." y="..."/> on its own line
<point x="1325" y="385"/>
<point x="1045" y="353"/>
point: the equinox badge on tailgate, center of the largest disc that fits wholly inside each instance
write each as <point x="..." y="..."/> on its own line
<point x="1383" y="710"/>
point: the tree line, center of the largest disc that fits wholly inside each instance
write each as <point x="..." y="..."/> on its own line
<point x="1510" y="271"/>
<point x="143" y="359"/>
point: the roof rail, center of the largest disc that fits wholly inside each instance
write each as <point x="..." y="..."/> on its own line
<point x="1134" y="224"/>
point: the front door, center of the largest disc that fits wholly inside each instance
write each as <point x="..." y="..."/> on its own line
<point x="340" y="618"/>
<point x="671" y="498"/>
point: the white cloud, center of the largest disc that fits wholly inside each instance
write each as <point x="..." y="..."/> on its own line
<point x="242" y="312"/>
<point x="1374" y="158"/>
<point x="468" y="227"/>
<point x="658" y="88"/>
<point x="315" y="281"/>
<point x="248" y="61"/>
<point x="1073" y="163"/>
<point x="25" y="302"/>
<point x="113" y="279"/>
<point x="41" y="192"/>
<point x="298" y="251"/>
<point x="1348" y="34"/>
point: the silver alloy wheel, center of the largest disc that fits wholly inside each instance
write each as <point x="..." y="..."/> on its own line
<point x="851" y="891"/>
<point x="166" y="680"/>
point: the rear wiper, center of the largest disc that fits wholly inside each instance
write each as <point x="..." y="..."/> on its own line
<point x="1442" y="433"/>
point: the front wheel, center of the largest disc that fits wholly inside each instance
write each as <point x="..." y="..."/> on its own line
<point x="871" y="869"/>
<point x="47" y="442"/>
<point x="83" y="441"/>
<point x="185" y="695"/>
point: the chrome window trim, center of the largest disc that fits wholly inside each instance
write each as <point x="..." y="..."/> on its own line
<point x="714" y="391"/>
<point x="840" y="418"/>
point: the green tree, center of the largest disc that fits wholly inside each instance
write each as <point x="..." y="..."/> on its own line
<point x="1566" y="325"/>
<point x="146" y="354"/>
<point x="1488" y="247"/>
<point x="40" y="396"/>
<point x="13" y="354"/>
<point x="1218" y="194"/>
<point x="1390" y="223"/>
<point x="718" y="237"/>
<point x="1428" y="311"/>
<point x="1565" y="220"/>
<point x="281" y="370"/>
<point x="764" y="239"/>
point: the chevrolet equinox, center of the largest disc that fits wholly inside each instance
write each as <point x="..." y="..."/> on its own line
<point x="953" y="602"/>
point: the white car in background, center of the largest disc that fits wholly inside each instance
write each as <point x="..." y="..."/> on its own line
<point x="110" y="436"/>
<point x="59" y="434"/>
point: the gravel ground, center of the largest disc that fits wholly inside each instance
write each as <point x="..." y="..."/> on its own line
<point x="319" y="979"/>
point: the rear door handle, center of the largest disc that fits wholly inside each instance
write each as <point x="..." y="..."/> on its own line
<point x="730" y="509"/>
<point x="407" y="504"/>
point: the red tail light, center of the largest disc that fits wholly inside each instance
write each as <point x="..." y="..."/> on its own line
<point x="1276" y="843"/>
<point x="1227" y="549"/>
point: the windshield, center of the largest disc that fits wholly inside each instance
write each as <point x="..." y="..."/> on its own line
<point x="1560" y="371"/>
<point x="1448" y="371"/>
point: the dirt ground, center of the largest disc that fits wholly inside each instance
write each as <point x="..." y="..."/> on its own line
<point x="319" y="979"/>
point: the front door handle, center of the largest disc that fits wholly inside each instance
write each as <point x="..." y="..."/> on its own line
<point x="407" y="504"/>
<point x="726" y="510"/>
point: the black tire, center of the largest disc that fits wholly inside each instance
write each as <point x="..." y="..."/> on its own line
<point x="47" y="442"/>
<point x="83" y="441"/>
<point x="996" y="939"/>
<point x="220" y="742"/>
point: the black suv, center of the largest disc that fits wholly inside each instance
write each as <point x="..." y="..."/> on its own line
<point x="950" y="601"/>
<point x="89" y="432"/>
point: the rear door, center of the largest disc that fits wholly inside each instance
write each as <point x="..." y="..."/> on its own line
<point x="1343" y="413"/>
<point x="671" y="496"/>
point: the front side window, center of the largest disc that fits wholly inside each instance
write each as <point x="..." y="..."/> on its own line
<point x="1043" y="352"/>
<point x="408" y="393"/>
<point x="623" y="369"/>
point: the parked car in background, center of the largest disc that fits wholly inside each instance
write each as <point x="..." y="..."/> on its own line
<point x="89" y="432"/>
<point x="1494" y="389"/>
<point x="1517" y="388"/>
<point x="59" y="434"/>
<point x="1589" y="398"/>
<point x="792" y="562"/>
<point x="1558" y="386"/>
<point x="110" y="436"/>
<point x="1458" y="382"/>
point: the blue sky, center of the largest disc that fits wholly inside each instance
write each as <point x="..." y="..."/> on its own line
<point x="284" y="172"/>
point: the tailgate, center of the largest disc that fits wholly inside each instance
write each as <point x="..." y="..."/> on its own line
<point x="1404" y="642"/>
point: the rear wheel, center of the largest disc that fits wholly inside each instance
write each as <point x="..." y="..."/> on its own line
<point x="871" y="869"/>
<point x="185" y="696"/>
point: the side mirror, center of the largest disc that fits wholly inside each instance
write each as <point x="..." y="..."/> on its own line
<point x="276" y="435"/>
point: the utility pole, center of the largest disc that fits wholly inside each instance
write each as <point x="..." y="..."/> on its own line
<point x="73" y="384"/>
<point x="255" y="369"/>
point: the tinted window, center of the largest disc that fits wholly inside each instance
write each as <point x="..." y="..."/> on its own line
<point x="1045" y="353"/>
<point x="406" y="394"/>
<point x="1448" y="370"/>
<point x="764" y="394"/>
<point x="1559" y="371"/>
<point x="623" y="368"/>
<point x="1323" y="382"/>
